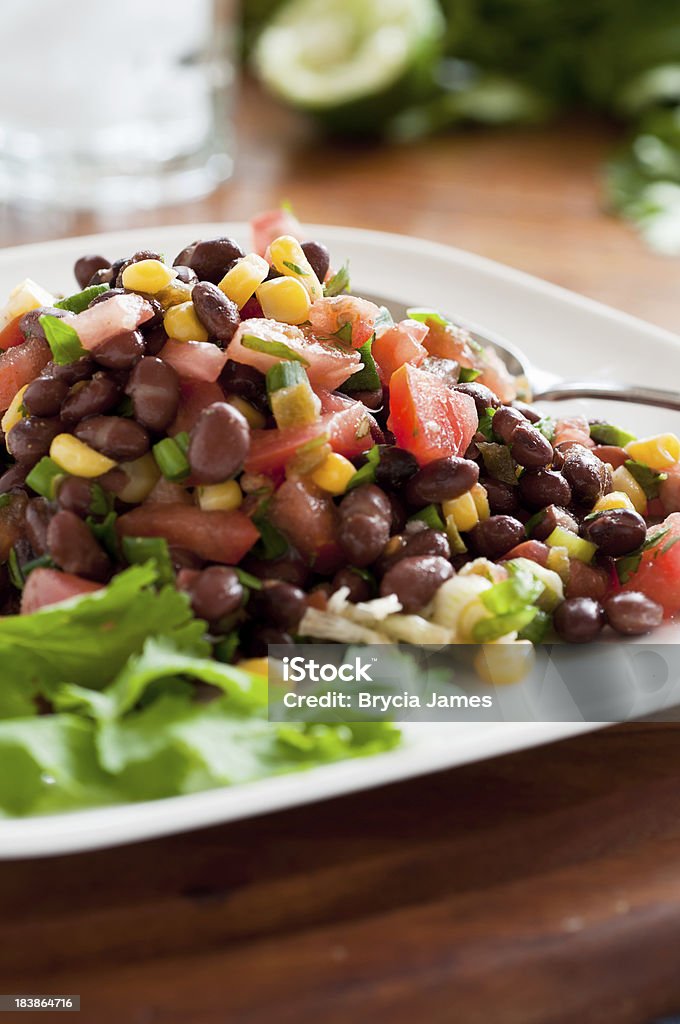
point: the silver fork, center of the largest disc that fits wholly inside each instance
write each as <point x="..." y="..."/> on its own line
<point x="546" y="386"/>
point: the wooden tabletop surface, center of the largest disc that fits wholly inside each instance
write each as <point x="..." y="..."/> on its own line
<point x="537" y="888"/>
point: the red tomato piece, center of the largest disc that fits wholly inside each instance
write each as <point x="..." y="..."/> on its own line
<point x="534" y="550"/>
<point x="428" y="418"/>
<point x="195" y="396"/>
<point x="48" y="586"/>
<point x="105" y="320"/>
<point x="401" y="344"/>
<point x="611" y="454"/>
<point x="659" y="573"/>
<point x="215" y="536"/>
<point x="308" y="518"/>
<point x="19" y="365"/>
<point x="11" y="334"/>
<point x="194" y="360"/>
<point x="587" y="580"/>
<point x="348" y="431"/>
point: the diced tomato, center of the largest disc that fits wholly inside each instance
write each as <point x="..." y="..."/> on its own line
<point x="19" y="366"/>
<point x="586" y="580"/>
<point x="195" y="396"/>
<point x="329" y="365"/>
<point x="215" y="536"/>
<point x="308" y="518"/>
<point x="669" y="492"/>
<point x="194" y="360"/>
<point x="534" y="550"/>
<point x="573" y="428"/>
<point x="48" y="586"/>
<point x="401" y="344"/>
<point x="11" y="335"/>
<point x="659" y="573"/>
<point x="428" y="418"/>
<point x="450" y="342"/>
<point x="611" y="454"/>
<point x="329" y="315"/>
<point x="272" y="224"/>
<point x="348" y="431"/>
<point x="105" y="320"/>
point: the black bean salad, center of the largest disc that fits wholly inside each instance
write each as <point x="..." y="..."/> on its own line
<point x="300" y="466"/>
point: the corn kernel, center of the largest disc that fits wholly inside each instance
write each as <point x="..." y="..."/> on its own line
<point x="481" y="500"/>
<point x="26" y="296"/>
<point x="284" y="299"/>
<point x="258" y="666"/>
<point x="501" y="664"/>
<point x="224" y="497"/>
<point x="256" y="420"/>
<point x="14" y="413"/>
<point x="77" y="458"/>
<point x="148" y="276"/>
<point x="182" y="323"/>
<point x="142" y="476"/>
<point x="174" y="294"/>
<point x="289" y="258"/>
<point x="240" y="283"/>
<point x="463" y="510"/>
<point x="624" y="481"/>
<point x="334" y="473"/>
<point x="659" y="452"/>
<point x="615" y="499"/>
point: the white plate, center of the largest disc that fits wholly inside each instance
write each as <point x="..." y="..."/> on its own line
<point x="558" y="330"/>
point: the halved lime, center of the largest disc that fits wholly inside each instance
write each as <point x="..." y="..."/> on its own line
<point x="350" y="60"/>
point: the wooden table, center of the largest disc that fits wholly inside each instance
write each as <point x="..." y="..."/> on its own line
<point x="538" y="888"/>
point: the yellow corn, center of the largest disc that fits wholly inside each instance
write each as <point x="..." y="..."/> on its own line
<point x="26" y="296"/>
<point x="463" y="511"/>
<point x="334" y="473"/>
<point x="659" y="452"/>
<point x="174" y="294"/>
<point x="481" y="500"/>
<point x="503" y="663"/>
<point x="615" y="499"/>
<point x="14" y="413"/>
<point x="239" y="283"/>
<point x="148" y="276"/>
<point x="182" y="323"/>
<point x="142" y="476"/>
<point x="289" y="258"/>
<point x="284" y="299"/>
<point x="77" y="458"/>
<point x="256" y="420"/>
<point x="224" y="497"/>
<point x="258" y="666"/>
<point x="624" y="481"/>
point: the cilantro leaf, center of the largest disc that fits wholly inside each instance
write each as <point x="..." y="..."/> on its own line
<point x="337" y="284"/>
<point x="62" y="339"/>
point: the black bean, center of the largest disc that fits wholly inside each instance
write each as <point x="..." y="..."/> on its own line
<point x="30" y="438"/>
<point x="494" y="537"/>
<point x="553" y="516"/>
<point x="137" y="257"/>
<point x="483" y="397"/>
<point x="586" y="474"/>
<point x="218" y="314"/>
<point x="73" y="548"/>
<point x="529" y="447"/>
<point x="255" y="639"/>
<point x="395" y="469"/>
<point x="216" y="593"/>
<point x="578" y="620"/>
<point x="30" y="325"/>
<point x="541" y="487"/>
<point x="154" y="340"/>
<point x="365" y="516"/>
<point x="75" y="494"/>
<point x="505" y="421"/>
<point x="87" y="266"/>
<point x="154" y="389"/>
<point x="527" y="410"/>
<point x="616" y="532"/>
<point x="70" y="373"/>
<point x="210" y="258"/>
<point x="359" y="588"/>
<point x="416" y="580"/>
<point x="104" y="276"/>
<point x="632" y="613"/>
<point x="318" y="257"/>
<point x="13" y="477"/>
<point x="290" y="568"/>
<point x="503" y="499"/>
<point x="373" y="400"/>
<point x="44" y="396"/>
<point x="186" y="275"/>
<point x="184" y="559"/>
<point x="423" y="542"/>
<point x="121" y="352"/>
<point x="441" y="480"/>
<point x="280" y="604"/>
<point x="219" y="443"/>
<point x="105" y="296"/>
<point x="118" y="438"/>
<point x="38" y="516"/>
<point x="246" y="382"/>
<point x="91" y="398"/>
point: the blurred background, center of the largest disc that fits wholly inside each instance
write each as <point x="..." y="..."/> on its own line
<point x="545" y="133"/>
